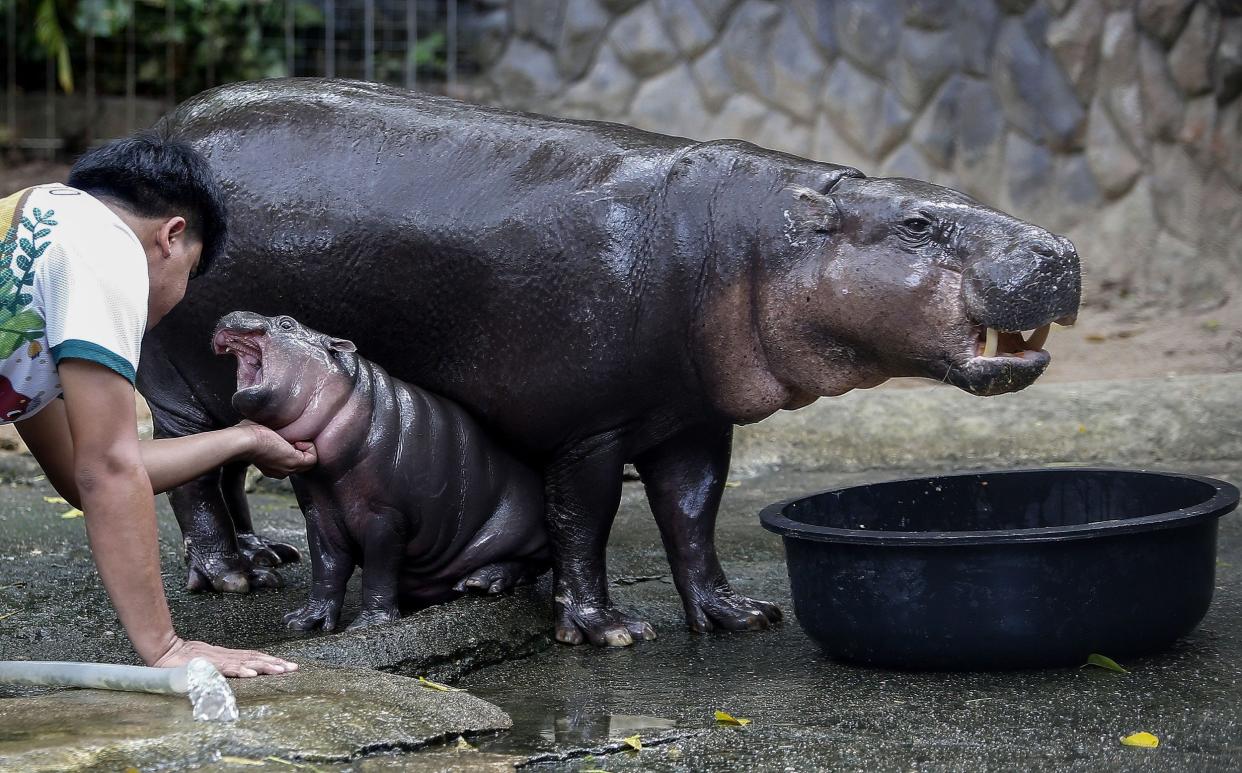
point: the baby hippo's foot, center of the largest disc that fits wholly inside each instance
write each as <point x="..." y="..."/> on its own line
<point x="719" y="607"/>
<point x="265" y="552"/>
<point x="316" y="613"/>
<point x="600" y="624"/>
<point x="211" y="570"/>
<point x="370" y="617"/>
<point x="498" y="577"/>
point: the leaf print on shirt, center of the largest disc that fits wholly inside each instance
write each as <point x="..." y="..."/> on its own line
<point x="19" y="324"/>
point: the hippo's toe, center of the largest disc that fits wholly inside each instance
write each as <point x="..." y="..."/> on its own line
<point x="316" y="613"/>
<point x="231" y="575"/>
<point x="369" y="617"/>
<point x="498" y="577"/>
<point x="606" y="626"/>
<point x="727" y="610"/>
<point x="261" y="551"/>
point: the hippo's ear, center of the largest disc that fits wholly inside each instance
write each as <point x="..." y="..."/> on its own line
<point x="341" y="345"/>
<point x="814" y="211"/>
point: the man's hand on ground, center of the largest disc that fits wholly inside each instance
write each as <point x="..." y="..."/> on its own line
<point x="229" y="662"/>
<point x="273" y="455"/>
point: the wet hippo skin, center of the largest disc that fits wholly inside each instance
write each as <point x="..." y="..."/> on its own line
<point x="593" y="294"/>
<point x="407" y="486"/>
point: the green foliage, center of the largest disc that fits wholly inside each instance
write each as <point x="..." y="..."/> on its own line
<point x="18" y="324"/>
<point x="215" y="41"/>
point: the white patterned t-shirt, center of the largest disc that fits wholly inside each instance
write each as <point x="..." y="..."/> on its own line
<point x="73" y="285"/>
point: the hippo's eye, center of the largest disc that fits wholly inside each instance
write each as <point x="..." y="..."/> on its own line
<point x="918" y="225"/>
<point x="286" y="323"/>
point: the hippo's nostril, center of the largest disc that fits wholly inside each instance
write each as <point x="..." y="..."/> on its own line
<point x="1046" y="250"/>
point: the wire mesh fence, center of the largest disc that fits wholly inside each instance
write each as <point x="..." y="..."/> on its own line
<point x="78" y="72"/>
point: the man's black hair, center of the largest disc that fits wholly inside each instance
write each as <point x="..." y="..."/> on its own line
<point x="155" y="176"/>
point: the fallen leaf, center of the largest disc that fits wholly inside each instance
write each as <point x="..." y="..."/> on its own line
<point x="7" y="615"/>
<point x="241" y="761"/>
<point x="72" y="513"/>
<point x="673" y="753"/>
<point x="725" y="718"/>
<point x="634" y="742"/>
<point x="1082" y="428"/>
<point x="592" y="770"/>
<point x="732" y="484"/>
<point x="463" y="745"/>
<point x="1096" y="338"/>
<point x="1142" y="740"/>
<point x="425" y="682"/>
<point x="296" y="765"/>
<point x="1096" y="659"/>
<point x="1212" y="325"/>
<point x="36" y="552"/>
<point x="39" y="477"/>
<point x="55" y="500"/>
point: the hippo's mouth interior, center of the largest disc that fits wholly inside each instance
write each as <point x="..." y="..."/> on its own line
<point x="990" y="343"/>
<point x="244" y="346"/>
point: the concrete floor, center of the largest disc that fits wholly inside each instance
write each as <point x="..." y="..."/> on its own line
<point x="567" y="704"/>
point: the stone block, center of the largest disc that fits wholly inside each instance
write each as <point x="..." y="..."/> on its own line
<point x="1060" y="6"/>
<point x="869" y="115"/>
<point x="1028" y="176"/>
<point x="1190" y="59"/>
<point x="1014" y="6"/>
<point x="1227" y="61"/>
<point x="1177" y="190"/>
<point x="605" y="92"/>
<point x="930" y="14"/>
<point x="1225" y="134"/>
<point x="1118" y="78"/>
<point x="642" y="43"/>
<point x="1196" y="132"/>
<point x="975" y="24"/>
<point x="711" y="73"/>
<point x="906" y="161"/>
<point x="669" y="103"/>
<point x="1112" y="162"/>
<point x="868" y="31"/>
<point x="785" y="133"/>
<point x="797" y="69"/>
<point x="924" y="60"/>
<point x="716" y="11"/>
<point x="817" y="16"/>
<point x="1075" y="195"/>
<point x="831" y="146"/>
<point x="1172" y="286"/>
<point x="615" y="7"/>
<point x="539" y="20"/>
<point x="742" y="117"/>
<point x="582" y="31"/>
<point x="747" y="45"/>
<point x="1035" y="95"/>
<point x="980" y="134"/>
<point x="1163" y="19"/>
<point x="686" y="25"/>
<point x="526" y="75"/>
<point x="1161" y="99"/>
<point x="1074" y="39"/>
<point x="935" y="132"/>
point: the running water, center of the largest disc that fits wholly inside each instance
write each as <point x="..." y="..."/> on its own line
<point x="210" y="694"/>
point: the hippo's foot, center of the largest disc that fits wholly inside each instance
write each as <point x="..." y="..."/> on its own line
<point x="231" y="574"/>
<point x="264" y="552"/>
<point x="600" y="624"/>
<point x="369" y="617"/>
<point x="719" y="607"/>
<point x="498" y="577"/>
<point x="316" y="613"/>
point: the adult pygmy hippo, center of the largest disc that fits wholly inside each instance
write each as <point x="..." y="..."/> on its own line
<point x="407" y="484"/>
<point x="595" y="294"/>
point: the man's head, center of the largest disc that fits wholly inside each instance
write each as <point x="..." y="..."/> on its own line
<point x="165" y="191"/>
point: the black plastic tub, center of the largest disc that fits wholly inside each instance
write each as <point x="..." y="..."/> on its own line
<point x="994" y="570"/>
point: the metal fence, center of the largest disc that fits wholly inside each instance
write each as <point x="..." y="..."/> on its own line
<point x="133" y="59"/>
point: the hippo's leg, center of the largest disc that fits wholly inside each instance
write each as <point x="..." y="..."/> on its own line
<point x="331" y="562"/>
<point x="501" y="576"/>
<point x="382" y="552"/>
<point x="684" y="478"/>
<point x="583" y="492"/>
<point x="214" y="558"/>
<point x="260" y="551"/>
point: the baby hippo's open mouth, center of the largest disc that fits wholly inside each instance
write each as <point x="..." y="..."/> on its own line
<point x="248" y="349"/>
<point x="994" y="343"/>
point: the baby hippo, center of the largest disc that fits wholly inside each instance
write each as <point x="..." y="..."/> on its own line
<point x="408" y="485"/>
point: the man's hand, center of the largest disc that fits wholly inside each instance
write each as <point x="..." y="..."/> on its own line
<point x="228" y="662"/>
<point x="273" y="455"/>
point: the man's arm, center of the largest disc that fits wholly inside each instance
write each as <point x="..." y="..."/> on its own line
<point x="169" y="462"/>
<point x="116" y="494"/>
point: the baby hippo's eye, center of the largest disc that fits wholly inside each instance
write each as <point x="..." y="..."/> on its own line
<point x="286" y="323"/>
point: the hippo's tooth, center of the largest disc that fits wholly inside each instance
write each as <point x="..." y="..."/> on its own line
<point x="989" y="347"/>
<point x="1038" y="337"/>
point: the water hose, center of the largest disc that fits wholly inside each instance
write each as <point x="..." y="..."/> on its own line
<point x="210" y="695"/>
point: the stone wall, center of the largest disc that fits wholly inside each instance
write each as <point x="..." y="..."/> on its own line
<point x="1117" y="122"/>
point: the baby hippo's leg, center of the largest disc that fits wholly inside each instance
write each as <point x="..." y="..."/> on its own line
<point x="331" y="567"/>
<point x="512" y="547"/>
<point x="502" y="576"/>
<point x="383" y="550"/>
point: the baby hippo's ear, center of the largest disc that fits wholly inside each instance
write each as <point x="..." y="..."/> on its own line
<point x="341" y="345"/>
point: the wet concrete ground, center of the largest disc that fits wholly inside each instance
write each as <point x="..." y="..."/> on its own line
<point x="571" y="706"/>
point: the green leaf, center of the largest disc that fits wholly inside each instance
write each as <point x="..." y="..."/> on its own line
<point x="1100" y="661"/>
<point x="9" y="343"/>
<point x="27" y="321"/>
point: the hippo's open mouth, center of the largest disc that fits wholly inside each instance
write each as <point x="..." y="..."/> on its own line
<point x="247" y="347"/>
<point x="998" y="361"/>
